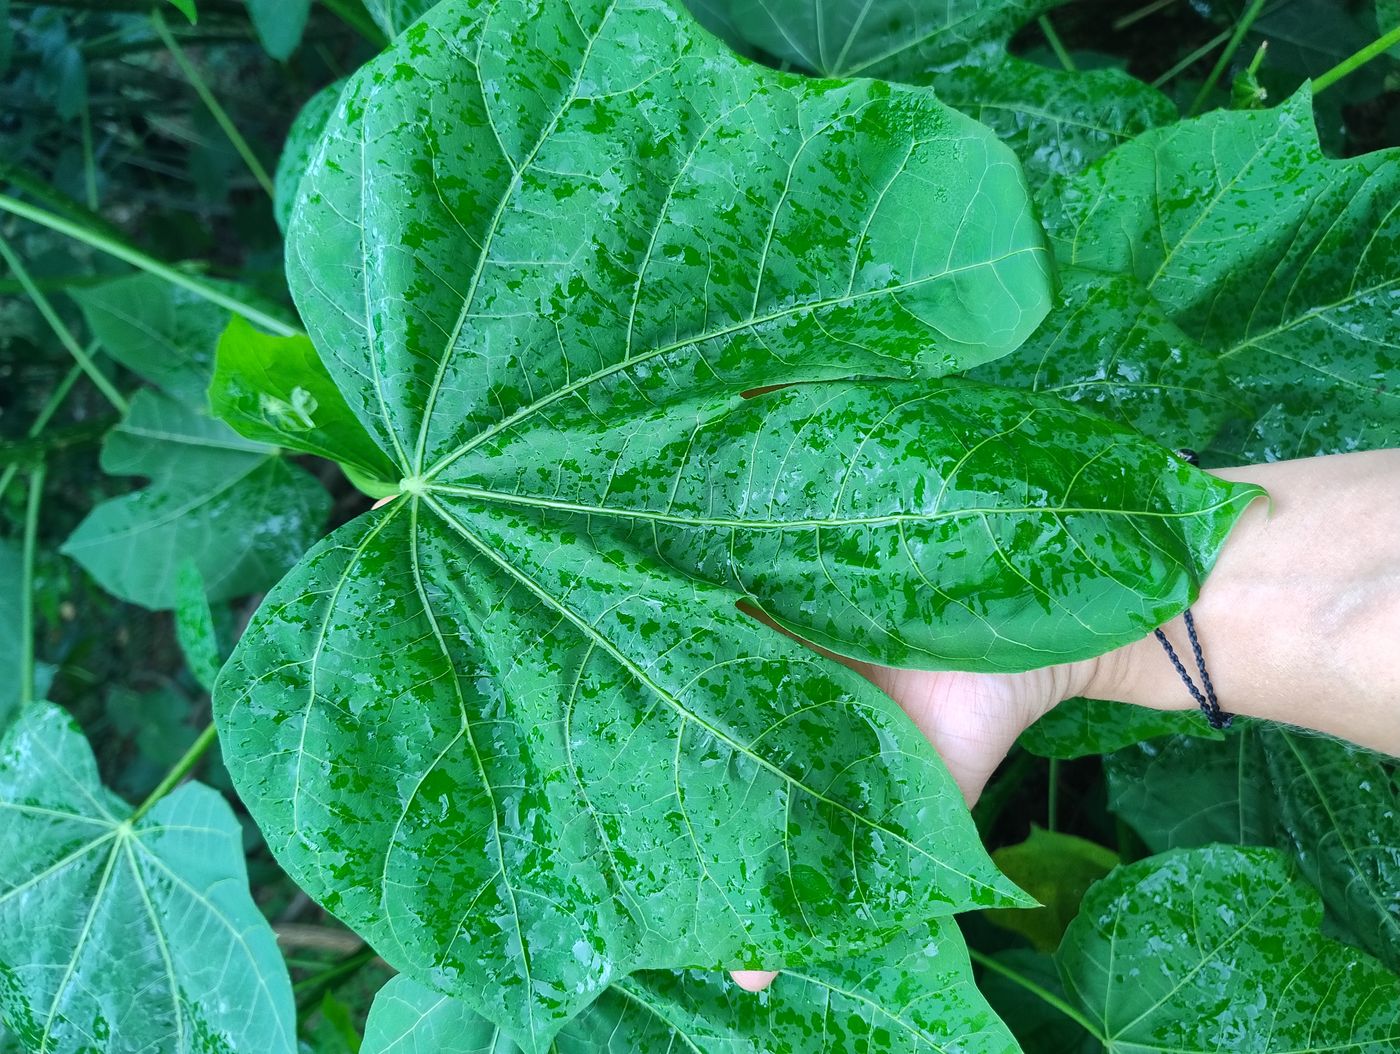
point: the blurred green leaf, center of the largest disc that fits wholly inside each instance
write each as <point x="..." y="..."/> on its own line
<point x="1056" y="869"/>
<point x="127" y="936"/>
<point x="280" y="24"/>
<point x="194" y="625"/>
<point x="186" y="8"/>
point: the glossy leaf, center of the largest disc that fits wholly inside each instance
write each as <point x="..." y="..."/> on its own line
<point x="1187" y="791"/>
<point x="1110" y="346"/>
<point x="1333" y="807"/>
<point x="279" y="24"/>
<point x="275" y="390"/>
<point x="238" y="510"/>
<point x="125" y="936"/>
<point x="1056" y="122"/>
<point x="1078" y="728"/>
<point x="1218" y="949"/>
<point x="1056" y="869"/>
<point x="1277" y="259"/>
<point x="969" y="527"/>
<point x="194" y="625"/>
<point x="913" y="996"/>
<point x="1339" y="817"/>
<point x="297" y="148"/>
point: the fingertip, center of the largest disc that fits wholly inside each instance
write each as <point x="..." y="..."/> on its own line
<point x="753" y="980"/>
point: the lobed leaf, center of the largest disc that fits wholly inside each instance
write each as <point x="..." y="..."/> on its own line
<point x="121" y="935"/>
<point x="1218" y="949"/>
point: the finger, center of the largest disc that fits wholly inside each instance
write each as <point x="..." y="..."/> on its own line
<point x="753" y="980"/>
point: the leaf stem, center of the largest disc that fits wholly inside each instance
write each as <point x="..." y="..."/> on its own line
<point x="1192" y="58"/>
<point x="1355" y="62"/>
<point x="130" y="254"/>
<point x="212" y="104"/>
<point x="46" y="412"/>
<point x="179" y="771"/>
<point x="26" y="586"/>
<point x="353" y="15"/>
<point x="61" y="330"/>
<point x="1132" y="17"/>
<point x="1056" y="44"/>
<point x="1236" y="38"/>
<point x="1050" y="998"/>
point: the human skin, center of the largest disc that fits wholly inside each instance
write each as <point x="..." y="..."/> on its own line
<point x="1299" y="622"/>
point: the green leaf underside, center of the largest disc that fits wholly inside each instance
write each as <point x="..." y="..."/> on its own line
<point x="121" y="937"/>
<point x="239" y="511"/>
<point x="1276" y="259"/>
<point x="1057" y="122"/>
<point x="1218" y="949"/>
<point x="1332" y="806"/>
<point x="513" y="727"/>
<point x="912" y="996"/>
<point x="276" y="390"/>
<point x="1078" y="728"/>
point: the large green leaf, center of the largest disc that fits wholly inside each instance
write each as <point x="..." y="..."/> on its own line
<point x="1218" y="949"/>
<point x="1057" y="122"/>
<point x="1078" y="728"/>
<point x="913" y="996"/>
<point x="297" y="148"/>
<point x="242" y="513"/>
<point x="514" y="728"/>
<point x="1277" y="259"/>
<point x="127" y="936"/>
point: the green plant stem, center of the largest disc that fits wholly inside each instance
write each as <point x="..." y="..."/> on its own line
<point x="60" y="329"/>
<point x="1133" y="17"/>
<point x="212" y="104"/>
<point x="1236" y="38"/>
<point x="1052" y="805"/>
<point x="53" y="198"/>
<point x="33" y="449"/>
<point x="1349" y="65"/>
<point x="1191" y="59"/>
<point x="1050" y="998"/>
<point x="89" y="164"/>
<point x="129" y="254"/>
<point x="46" y="412"/>
<point x="26" y="587"/>
<point x="1056" y="44"/>
<point x="307" y="989"/>
<point x="353" y="15"/>
<point x="179" y="771"/>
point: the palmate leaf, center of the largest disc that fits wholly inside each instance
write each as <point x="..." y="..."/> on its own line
<point x="915" y="995"/>
<point x="1057" y="122"/>
<point x="1218" y="949"/>
<point x="513" y="727"/>
<point x="238" y="509"/>
<point x="125" y="936"/>
<point x="1278" y="260"/>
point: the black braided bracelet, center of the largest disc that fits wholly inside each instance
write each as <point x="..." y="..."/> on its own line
<point x="1208" y="703"/>
<point x="1210" y="706"/>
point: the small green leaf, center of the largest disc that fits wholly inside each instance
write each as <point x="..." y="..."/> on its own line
<point x="127" y="937"/>
<point x="1078" y="728"/>
<point x="1056" y="869"/>
<point x="240" y="512"/>
<point x="297" y="149"/>
<point x="194" y="625"/>
<point x="276" y="390"/>
<point x="913" y="996"/>
<point x="280" y="24"/>
<point x="1215" y="949"/>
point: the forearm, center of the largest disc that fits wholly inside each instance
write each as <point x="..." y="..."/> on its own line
<point x="1300" y="618"/>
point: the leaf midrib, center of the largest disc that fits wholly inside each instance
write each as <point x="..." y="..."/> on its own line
<point x="675" y="704"/>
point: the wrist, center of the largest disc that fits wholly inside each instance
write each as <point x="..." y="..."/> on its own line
<point x="1297" y="619"/>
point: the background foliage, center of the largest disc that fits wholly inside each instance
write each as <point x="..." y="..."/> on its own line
<point x="1225" y="282"/>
